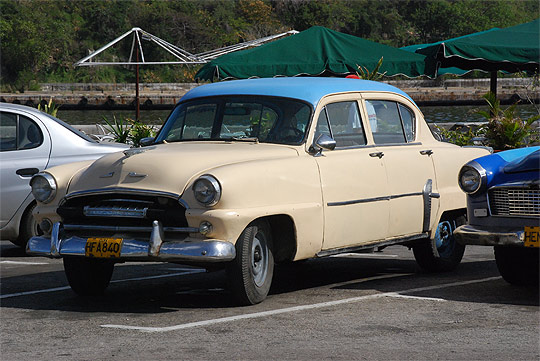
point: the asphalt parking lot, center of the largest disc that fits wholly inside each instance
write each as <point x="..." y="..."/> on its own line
<point x="376" y="306"/>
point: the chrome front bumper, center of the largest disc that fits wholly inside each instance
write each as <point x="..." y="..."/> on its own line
<point x="472" y="235"/>
<point x="155" y="249"/>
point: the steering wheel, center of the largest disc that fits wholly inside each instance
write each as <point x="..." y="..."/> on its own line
<point x="298" y="134"/>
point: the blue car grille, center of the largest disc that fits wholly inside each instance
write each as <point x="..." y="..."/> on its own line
<point x="514" y="201"/>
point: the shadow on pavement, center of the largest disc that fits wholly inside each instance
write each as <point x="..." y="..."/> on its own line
<point x="208" y="289"/>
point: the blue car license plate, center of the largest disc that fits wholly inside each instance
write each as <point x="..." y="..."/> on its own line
<point x="532" y="236"/>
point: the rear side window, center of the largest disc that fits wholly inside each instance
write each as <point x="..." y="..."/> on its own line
<point x="390" y="122"/>
<point x="342" y="122"/>
<point x="18" y="132"/>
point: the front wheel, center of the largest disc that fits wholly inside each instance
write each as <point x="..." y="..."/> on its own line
<point x="442" y="253"/>
<point x="88" y="276"/>
<point x="250" y="274"/>
<point x="518" y="266"/>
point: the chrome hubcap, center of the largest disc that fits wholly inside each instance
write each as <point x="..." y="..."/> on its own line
<point x="259" y="259"/>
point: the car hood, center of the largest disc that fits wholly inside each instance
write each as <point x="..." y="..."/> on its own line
<point x="170" y="167"/>
<point x="527" y="163"/>
<point x="511" y="166"/>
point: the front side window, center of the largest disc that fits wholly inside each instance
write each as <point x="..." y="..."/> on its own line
<point x="390" y="122"/>
<point x="18" y="132"/>
<point x="268" y="119"/>
<point x="342" y="122"/>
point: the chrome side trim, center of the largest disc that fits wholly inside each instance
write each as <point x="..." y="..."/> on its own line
<point x="373" y="244"/>
<point x="427" y="204"/>
<point x="375" y="199"/>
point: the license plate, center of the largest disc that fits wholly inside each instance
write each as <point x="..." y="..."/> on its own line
<point x="103" y="247"/>
<point x="532" y="236"/>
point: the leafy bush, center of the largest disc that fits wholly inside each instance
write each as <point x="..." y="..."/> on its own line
<point x="127" y="130"/>
<point x="504" y="129"/>
<point x="49" y="108"/>
<point x="463" y="136"/>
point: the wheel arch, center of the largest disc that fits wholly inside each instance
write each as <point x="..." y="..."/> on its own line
<point x="283" y="236"/>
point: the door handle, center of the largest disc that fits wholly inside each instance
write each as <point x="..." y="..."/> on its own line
<point x="426" y="152"/>
<point x="376" y="154"/>
<point x="27" y="172"/>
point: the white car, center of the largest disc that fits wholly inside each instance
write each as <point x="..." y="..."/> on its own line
<point x="31" y="141"/>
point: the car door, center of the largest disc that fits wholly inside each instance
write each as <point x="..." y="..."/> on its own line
<point x="353" y="180"/>
<point x="409" y="168"/>
<point x="24" y="150"/>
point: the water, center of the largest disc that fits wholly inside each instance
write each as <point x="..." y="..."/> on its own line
<point x="439" y="114"/>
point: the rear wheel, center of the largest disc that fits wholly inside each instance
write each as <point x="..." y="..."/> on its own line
<point x="518" y="266"/>
<point x="250" y="274"/>
<point x="28" y="229"/>
<point x="88" y="276"/>
<point x="442" y="253"/>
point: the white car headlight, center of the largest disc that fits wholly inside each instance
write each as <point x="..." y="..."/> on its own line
<point x="471" y="178"/>
<point x="207" y="190"/>
<point x="43" y="187"/>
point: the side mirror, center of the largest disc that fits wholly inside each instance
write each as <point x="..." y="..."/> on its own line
<point x="323" y="142"/>
<point x="144" y="142"/>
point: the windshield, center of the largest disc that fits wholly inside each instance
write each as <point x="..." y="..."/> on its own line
<point x="267" y="119"/>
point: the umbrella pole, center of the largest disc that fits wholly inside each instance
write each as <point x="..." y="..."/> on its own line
<point x="493" y="83"/>
<point x="137" y="109"/>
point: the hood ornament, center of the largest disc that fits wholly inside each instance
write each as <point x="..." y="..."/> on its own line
<point x="133" y="151"/>
<point x="137" y="175"/>
<point x="108" y="175"/>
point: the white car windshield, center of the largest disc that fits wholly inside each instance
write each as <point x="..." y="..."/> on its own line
<point x="266" y="119"/>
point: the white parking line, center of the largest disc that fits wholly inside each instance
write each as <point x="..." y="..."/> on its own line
<point x="397" y="295"/>
<point x="114" y="281"/>
<point x="19" y="262"/>
<point x="292" y="309"/>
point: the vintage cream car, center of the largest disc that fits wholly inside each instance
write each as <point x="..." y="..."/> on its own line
<point x="248" y="173"/>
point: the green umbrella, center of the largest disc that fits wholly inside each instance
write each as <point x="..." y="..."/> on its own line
<point x="317" y="51"/>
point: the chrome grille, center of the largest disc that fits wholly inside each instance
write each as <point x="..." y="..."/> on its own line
<point x="514" y="201"/>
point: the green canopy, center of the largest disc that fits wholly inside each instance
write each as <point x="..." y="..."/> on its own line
<point x="316" y="51"/>
<point x="512" y="49"/>
<point x="418" y="48"/>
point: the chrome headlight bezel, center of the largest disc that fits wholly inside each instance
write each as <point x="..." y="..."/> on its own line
<point x="45" y="191"/>
<point x="207" y="190"/>
<point x="472" y="178"/>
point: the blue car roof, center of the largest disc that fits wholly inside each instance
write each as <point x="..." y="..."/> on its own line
<point x="309" y="89"/>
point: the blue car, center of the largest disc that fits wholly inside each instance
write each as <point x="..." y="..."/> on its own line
<point x="503" y="208"/>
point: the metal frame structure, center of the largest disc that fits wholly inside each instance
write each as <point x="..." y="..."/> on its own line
<point x="136" y="55"/>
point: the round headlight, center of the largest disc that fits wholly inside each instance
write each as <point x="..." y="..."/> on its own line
<point x="207" y="190"/>
<point x="43" y="187"/>
<point x="470" y="179"/>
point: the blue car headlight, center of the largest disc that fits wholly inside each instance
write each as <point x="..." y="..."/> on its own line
<point x="472" y="178"/>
